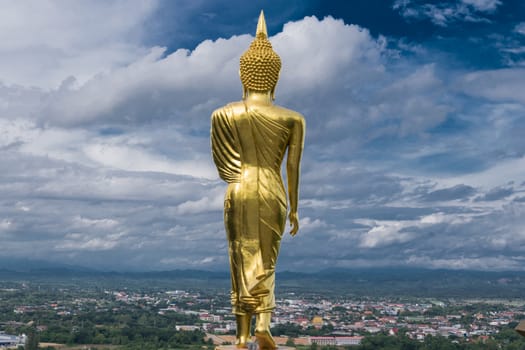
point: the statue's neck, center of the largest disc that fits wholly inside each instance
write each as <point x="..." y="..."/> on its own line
<point x="256" y="97"/>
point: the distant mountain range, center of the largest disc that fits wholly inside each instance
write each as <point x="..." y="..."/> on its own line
<point x="392" y="281"/>
<point x="26" y="265"/>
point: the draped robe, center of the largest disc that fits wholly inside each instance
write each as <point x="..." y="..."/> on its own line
<point x="248" y="146"/>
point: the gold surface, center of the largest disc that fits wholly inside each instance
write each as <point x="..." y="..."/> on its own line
<point x="250" y="139"/>
<point x="260" y="65"/>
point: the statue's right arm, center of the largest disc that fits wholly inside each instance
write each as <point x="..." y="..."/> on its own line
<point x="295" y="151"/>
<point x="225" y="156"/>
<point x="215" y="139"/>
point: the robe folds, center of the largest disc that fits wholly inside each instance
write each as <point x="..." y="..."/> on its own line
<point x="248" y="146"/>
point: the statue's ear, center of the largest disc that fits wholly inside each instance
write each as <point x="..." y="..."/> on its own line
<point x="272" y="92"/>
<point x="243" y="87"/>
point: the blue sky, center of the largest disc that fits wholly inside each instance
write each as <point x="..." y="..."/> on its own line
<point x="414" y="152"/>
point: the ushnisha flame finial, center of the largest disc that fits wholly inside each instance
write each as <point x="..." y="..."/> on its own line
<point x="260" y="65"/>
<point x="261" y="26"/>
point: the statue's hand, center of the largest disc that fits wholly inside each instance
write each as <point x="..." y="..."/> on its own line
<point x="294" y="223"/>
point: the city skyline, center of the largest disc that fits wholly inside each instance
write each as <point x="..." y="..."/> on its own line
<point x="419" y="162"/>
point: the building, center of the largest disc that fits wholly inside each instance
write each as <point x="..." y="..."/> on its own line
<point x="322" y="340"/>
<point x="11" y="341"/>
<point x="339" y="341"/>
<point x="348" y="340"/>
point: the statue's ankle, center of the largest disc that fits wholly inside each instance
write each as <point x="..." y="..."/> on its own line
<point x="263" y="321"/>
<point x="241" y="343"/>
<point x="243" y="330"/>
<point x="265" y="340"/>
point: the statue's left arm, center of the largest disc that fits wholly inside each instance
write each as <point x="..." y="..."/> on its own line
<point x="295" y="151"/>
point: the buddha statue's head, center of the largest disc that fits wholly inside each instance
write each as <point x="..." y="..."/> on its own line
<point x="260" y="65"/>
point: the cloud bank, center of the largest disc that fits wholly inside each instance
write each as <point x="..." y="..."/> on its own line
<point x="106" y="162"/>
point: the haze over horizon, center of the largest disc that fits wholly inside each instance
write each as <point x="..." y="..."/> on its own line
<point x="414" y="152"/>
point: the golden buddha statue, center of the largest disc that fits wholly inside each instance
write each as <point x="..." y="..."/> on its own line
<point x="249" y="140"/>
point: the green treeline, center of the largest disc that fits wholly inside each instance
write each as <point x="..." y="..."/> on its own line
<point x="134" y="329"/>
<point x="131" y="329"/>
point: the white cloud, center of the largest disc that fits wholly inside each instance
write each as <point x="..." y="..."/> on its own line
<point x="464" y="263"/>
<point x="483" y="5"/>
<point x="442" y="14"/>
<point x="385" y="233"/>
<point x="322" y="51"/>
<point x="6" y="224"/>
<point x="438" y="218"/>
<point x="314" y="226"/>
<point x="415" y="100"/>
<point x="502" y="85"/>
<point x="132" y="152"/>
<point x="44" y="42"/>
<point x="504" y="171"/>
<point x="136" y="159"/>
<point x="184" y="86"/>
<point x="74" y="242"/>
<point x="80" y="221"/>
<point x="520" y="28"/>
<point x="193" y="263"/>
<point x="213" y="201"/>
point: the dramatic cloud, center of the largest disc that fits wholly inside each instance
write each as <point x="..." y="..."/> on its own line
<point x="104" y="144"/>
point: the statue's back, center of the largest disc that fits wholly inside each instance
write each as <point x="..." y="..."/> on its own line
<point x="263" y="134"/>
